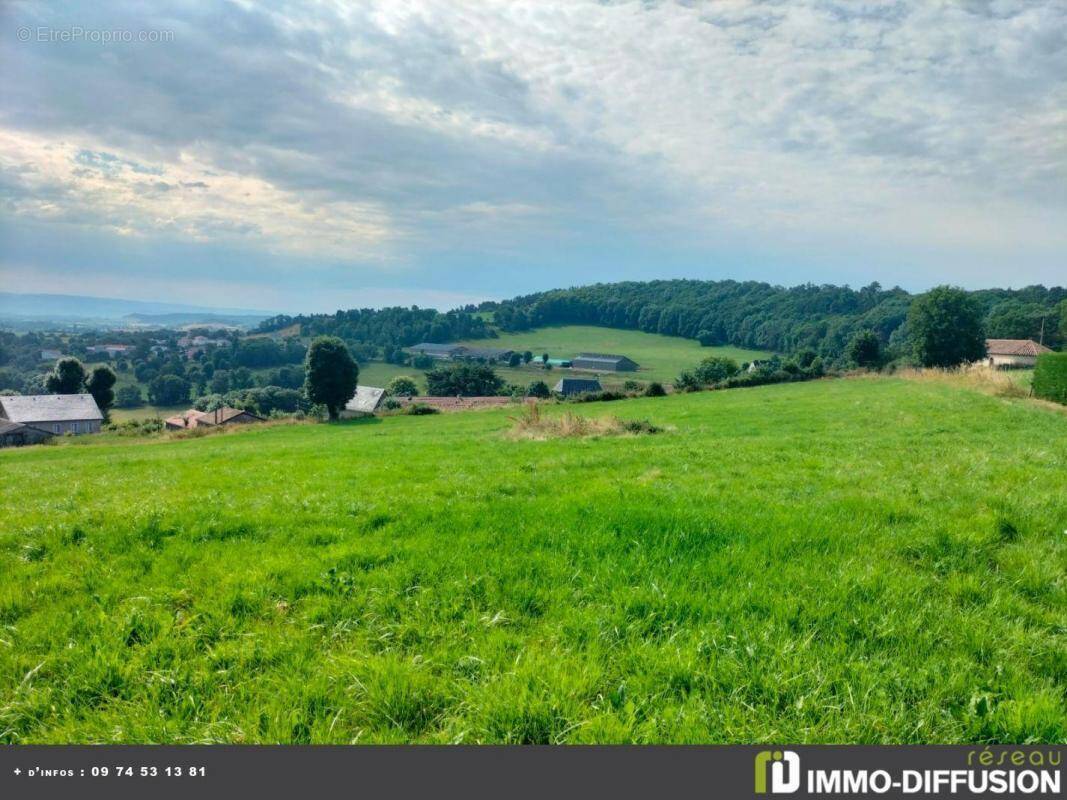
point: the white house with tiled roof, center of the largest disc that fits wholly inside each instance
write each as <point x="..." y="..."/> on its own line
<point x="1009" y="353"/>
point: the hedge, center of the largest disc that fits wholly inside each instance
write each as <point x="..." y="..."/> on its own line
<point x="1050" y="377"/>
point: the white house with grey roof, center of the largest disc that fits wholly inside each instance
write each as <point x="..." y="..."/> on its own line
<point x="53" y="413"/>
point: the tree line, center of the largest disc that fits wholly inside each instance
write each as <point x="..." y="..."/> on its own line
<point x="766" y="317"/>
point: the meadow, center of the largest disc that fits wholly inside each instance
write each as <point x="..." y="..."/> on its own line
<point x="660" y="357"/>
<point x="862" y="560"/>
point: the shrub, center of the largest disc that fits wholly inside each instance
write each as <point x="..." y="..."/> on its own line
<point x="714" y="369"/>
<point x="1050" y="377"/>
<point x="538" y="389"/>
<point x="420" y="410"/>
<point x="687" y="382"/>
<point x="655" y="389"/>
<point x="402" y="386"/>
<point x="391" y="404"/>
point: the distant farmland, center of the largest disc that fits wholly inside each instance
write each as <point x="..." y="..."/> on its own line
<point x="661" y="357"/>
<point x="868" y="560"/>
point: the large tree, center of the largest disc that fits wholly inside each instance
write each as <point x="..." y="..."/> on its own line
<point x="864" y="349"/>
<point x="465" y="379"/>
<point x="945" y="328"/>
<point x="100" y="384"/>
<point x="168" y="390"/>
<point x="332" y="374"/>
<point x="68" y="377"/>
<point x="402" y="386"/>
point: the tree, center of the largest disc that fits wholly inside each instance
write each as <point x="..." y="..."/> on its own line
<point x="68" y="377"/>
<point x="514" y="360"/>
<point x="128" y="397"/>
<point x="655" y="389"/>
<point x="544" y="358"/>
<point x="687" y="382"/>
<point x="168" y="390"/>
<point x="716" y="368"/>
<point x="466" y="379"/>
<point x="945" y="326"/>
<point x="402" y="386"/>
<point x="864" y="350"/>
<point x="538" y="389"/>
<point x="527" y="356"/>
<point x="331" y="374"/>
<point x="100" y="384"/>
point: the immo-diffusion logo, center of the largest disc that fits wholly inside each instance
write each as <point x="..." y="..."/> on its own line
<point x="784" y="770"/>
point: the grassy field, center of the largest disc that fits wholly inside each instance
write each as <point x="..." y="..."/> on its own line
<point x="661" y="358"/>
<point x="866" y="560"/>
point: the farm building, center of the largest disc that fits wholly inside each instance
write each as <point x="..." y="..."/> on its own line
<point x="210" y="419"/>
<point x="438" y="350"/>
<point x="15" y="434"/>
<point x="53" y="413"/>
<point x="604" y="362"/>
<point x="569" y="386"/>
<point x="1008" y="353"/>
<point x="366" y="400"/>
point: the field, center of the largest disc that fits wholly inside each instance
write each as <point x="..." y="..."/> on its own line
<point x="661" y="358"/>
<point x="863" y="560"/>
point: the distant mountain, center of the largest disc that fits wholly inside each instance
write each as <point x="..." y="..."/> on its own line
<point x="71" y="308"/>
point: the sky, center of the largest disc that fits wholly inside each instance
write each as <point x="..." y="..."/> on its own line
<point x="321" y="155"/>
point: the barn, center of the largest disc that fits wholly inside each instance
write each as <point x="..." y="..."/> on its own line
<point x="571" y="386"/>
<point x="604" y="362"/>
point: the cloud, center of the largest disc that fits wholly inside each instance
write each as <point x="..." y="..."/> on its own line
<point x="526" y="141"/>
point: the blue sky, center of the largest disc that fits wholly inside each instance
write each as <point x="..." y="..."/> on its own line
<point x="311" y="156"/>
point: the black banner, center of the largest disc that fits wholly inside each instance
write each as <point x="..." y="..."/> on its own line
<point x="520" y="772"/>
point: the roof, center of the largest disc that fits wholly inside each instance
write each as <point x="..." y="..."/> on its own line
<point x="1014" y="347"/>
<point x="572" y="385"/>
<point x="7" y="426"/>
<point x="606" y="356"/>
<point x="50" y="408"/>
<point x="195" y="419"/>
<point x="365" y="400"/>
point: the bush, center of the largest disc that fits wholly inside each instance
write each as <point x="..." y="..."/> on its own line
<point x="864" y="350"/>
<point x="655" y="389"/>
<point x="392" y="405"/>
<point x="419" y="410"/>
<point x="1050" y="377"/>
<point x="687" y="382"/>
<point x="714" y="369"/>
<point x="402" y="386"/>
<point x="538" y="389"/>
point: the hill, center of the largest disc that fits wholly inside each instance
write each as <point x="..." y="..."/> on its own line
<point x="869" y="560"/>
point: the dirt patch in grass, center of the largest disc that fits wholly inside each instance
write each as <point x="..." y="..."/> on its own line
<point x="532" y="424"/>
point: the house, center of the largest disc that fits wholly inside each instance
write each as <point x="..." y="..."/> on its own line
<point x="366" y="400"/>
<point x="15" y="434"/>
<point x="757" y="364"/>
<point x="53" y="413"/>
<point x="51" y="355"/>
<point x="438" y="350"/>
<point x="210" y="419"/>
<point x="569" y="386"/>
<point x="1013" y="353"/>
<point x="604" y="362"/>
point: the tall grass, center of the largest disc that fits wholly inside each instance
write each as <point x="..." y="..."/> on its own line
<point x="531" y="423"/>
<point x="978" y="377"/>
<point x="837" y="561"/>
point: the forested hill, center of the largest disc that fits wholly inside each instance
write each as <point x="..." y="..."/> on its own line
<point x="387" y="329"/>
<point x="762" y="316"/>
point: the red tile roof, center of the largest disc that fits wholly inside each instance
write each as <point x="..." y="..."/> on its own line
<point x="1014" y="347"/>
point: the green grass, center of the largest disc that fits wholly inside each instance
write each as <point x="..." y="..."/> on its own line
<point x="868" y="560"/>
<point x="661" y="358"/>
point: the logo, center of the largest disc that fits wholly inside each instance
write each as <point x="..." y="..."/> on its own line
<point x="784" y="769"/>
